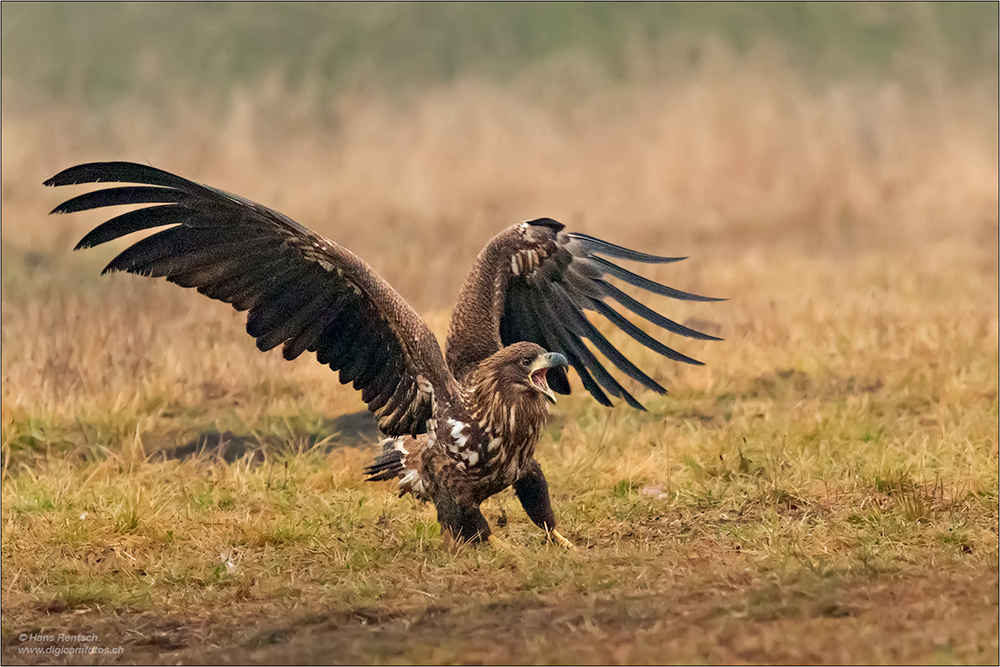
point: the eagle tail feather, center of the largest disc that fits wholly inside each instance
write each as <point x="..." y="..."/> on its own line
<point x="391" y="462"/>
<point x="386" y="466"/>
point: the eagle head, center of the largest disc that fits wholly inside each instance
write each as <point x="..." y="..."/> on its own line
<point x="519" y="371"/>
<point x="516" y="375"/>
<point x="510" y="393"/>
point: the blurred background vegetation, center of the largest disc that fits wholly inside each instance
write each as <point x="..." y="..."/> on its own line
<point x="96" y="53"/>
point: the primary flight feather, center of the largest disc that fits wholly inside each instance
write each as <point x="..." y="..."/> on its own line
<point x="459" y="427"/>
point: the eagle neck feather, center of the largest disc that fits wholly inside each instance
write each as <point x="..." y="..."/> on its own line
<point x="508" y="414"/>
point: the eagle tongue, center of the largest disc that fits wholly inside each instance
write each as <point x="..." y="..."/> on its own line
<point x="539" y="375"/>
<point x="542" y="384"/>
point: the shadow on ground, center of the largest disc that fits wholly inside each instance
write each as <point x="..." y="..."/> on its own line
<point x="358" y="429"/>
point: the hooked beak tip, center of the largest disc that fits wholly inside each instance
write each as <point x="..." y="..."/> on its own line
<point x="554" y="359"/>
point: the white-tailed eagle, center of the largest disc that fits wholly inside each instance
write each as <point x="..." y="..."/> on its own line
<point x="459" y="427"/>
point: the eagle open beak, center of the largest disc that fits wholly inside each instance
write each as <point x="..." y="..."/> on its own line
<point x="536" y="374"/>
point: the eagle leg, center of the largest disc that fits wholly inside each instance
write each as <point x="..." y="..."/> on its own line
<point x="462" y="520"/>
<point x="533" y="492"/>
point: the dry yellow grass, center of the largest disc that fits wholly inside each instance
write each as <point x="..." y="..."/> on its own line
<point x="836" y="458"/>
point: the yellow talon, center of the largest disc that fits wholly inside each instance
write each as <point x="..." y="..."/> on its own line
<point x="562" y="541"/>
<point x="500" y="545"/>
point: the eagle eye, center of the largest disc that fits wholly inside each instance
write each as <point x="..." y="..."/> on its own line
<point x="526" y="361"/>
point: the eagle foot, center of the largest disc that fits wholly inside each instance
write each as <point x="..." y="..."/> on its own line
<point x="500" y="545"/>
<point x="560" y="540"/>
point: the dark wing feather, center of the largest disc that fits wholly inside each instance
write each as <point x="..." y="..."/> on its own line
<point x="534" y="281"/>
<point x="301" y="290"/>
<point x="530" y="329"/>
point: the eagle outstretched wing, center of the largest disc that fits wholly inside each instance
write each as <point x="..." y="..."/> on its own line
<point x="533" y="281"/>
<point x="302" y="291"/>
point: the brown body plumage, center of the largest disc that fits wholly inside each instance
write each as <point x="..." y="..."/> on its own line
<point x="493" y="447"/>
<point x="459" y="427"/>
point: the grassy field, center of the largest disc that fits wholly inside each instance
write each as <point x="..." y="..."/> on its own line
<point x="823" y="490"/>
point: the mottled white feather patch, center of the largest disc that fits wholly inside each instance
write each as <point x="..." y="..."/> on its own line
<point x="396" y="443"/>
<point x="459" y="434"/>
<point x="413" y="483"/>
